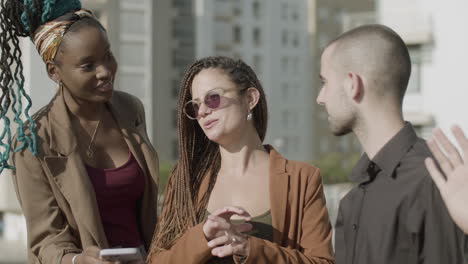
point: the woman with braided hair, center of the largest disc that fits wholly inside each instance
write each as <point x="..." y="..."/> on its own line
<point x="225" y="176"/>
<point x="84" y="170"/>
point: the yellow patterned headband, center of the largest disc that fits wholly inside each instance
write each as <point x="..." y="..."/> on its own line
<point x="48" y="37"/>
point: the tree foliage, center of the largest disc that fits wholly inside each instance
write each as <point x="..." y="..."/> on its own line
<point x="336" y="166"/>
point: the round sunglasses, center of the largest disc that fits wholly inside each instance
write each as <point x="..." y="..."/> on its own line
<point x="212" y="100"/>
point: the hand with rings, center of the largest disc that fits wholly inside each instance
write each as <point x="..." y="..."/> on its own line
<point x="224" y="237"/>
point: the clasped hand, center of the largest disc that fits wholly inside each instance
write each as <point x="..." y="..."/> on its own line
<point x="224" y="237"/>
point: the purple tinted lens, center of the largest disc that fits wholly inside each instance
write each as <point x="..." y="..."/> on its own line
<point x="195" y="109"/>
<point x="213" y="100"/>
<point x="191" y="109"/>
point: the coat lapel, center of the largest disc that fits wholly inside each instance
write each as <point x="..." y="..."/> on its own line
<point x="71" y="178"/>
<point x="133" y="128"/>
<point x="279" y="179"/>
<point x="68" y="171"/>
<point x="131" y="138"/>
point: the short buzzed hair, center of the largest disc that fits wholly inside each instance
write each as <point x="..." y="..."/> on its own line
<point x="380" y="53"/>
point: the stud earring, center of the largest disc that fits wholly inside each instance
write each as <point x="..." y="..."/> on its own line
<point x="249" y="116"/>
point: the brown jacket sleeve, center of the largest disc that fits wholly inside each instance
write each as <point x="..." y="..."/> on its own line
<point x="190" y="248"/>
<point x="49" y="235"/>
<point x="315" y="240"/>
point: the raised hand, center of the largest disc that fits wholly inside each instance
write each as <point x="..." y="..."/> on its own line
<point x="453" y="180"/>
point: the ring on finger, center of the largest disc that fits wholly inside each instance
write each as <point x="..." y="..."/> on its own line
<point x="234" y="240"/>
<point x="231" y="238"/>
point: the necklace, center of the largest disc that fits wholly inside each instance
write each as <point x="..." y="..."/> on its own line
<point x="90" y="151"/>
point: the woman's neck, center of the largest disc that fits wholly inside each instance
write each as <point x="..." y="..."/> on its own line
<point x="237" y="159"/>
<point x="81" y="109"/>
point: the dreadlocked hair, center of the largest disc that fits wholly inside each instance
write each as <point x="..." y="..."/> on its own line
<point x="20" y="18"/>
<point x="198" y="156"/>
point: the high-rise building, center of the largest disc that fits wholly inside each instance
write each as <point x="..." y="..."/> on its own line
<point x="271" y="36"/>
<point x="174" y="27"/>
<point x="431" y="30"/>
<point x="328" y="19"/>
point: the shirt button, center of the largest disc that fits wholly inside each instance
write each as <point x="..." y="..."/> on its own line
<point x="354" y="226"/>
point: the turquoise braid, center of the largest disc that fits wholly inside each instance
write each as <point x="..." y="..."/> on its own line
<point x="27" y="140"/>
<point x="51" y="9"/>
<point x="14" y="81"/>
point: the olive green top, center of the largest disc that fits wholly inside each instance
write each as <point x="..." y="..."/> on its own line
<point x="262" y="228"/>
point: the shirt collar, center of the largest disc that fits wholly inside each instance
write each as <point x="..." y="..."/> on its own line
<point x="388" y="157"/>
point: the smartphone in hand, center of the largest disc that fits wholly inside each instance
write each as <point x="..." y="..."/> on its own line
<point x="124" y="255"/>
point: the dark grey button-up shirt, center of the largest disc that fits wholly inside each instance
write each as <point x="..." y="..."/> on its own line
<point x="396" y="214"/>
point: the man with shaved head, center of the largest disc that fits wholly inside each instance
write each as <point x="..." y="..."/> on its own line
<point x="395" y="213"/>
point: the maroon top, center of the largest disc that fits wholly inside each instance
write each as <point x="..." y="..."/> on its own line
<point x="117" y="193"/>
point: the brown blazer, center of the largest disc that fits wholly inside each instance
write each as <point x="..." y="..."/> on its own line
<point x="302" y="230"/>
<point x="54" y="190"/>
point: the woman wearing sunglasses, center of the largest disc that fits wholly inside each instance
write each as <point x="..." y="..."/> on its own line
<point x="226" y="176"/>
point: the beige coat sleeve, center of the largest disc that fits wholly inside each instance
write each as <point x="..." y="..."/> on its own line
<point x="49" y="235"/>
<point x="190" y="248"/>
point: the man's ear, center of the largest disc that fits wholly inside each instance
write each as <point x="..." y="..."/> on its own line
<point x="355" y="86"/>
<point x="253" y="96"/>
<point x="53" y="71"/>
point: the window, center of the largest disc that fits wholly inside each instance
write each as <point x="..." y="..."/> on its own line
<point x="178" y="3"/>
<point x="174" y="58"/>
<point x="285" y="116"/>
<point x="237" y="34"/>
<point x="236" y="56"/>
<point x="257" y="63"/>
<point x="286" y="144"/>
<point x="175" y="149"/>
<point x="296" y="118"/>
<point x="236" y="10"/>
<point x="323" y="13"/>
<point x="284" y="37"/>
<point x="296" y="39"/>
<point x="323" y="40"/>
<point x="284" y="63"/>
<point x="295" y="143"/>
<point x="174" y="118"/>
<point x="256" y="9"/>
<point x="284" y="11"/>
<point x="257" y="38"/>
<point x="175" y="89"/>
<point x="285" y="91"/>
<point x="414" y="84"/>
<point x="295" y="65"/>
<point x="295" y="15"/>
